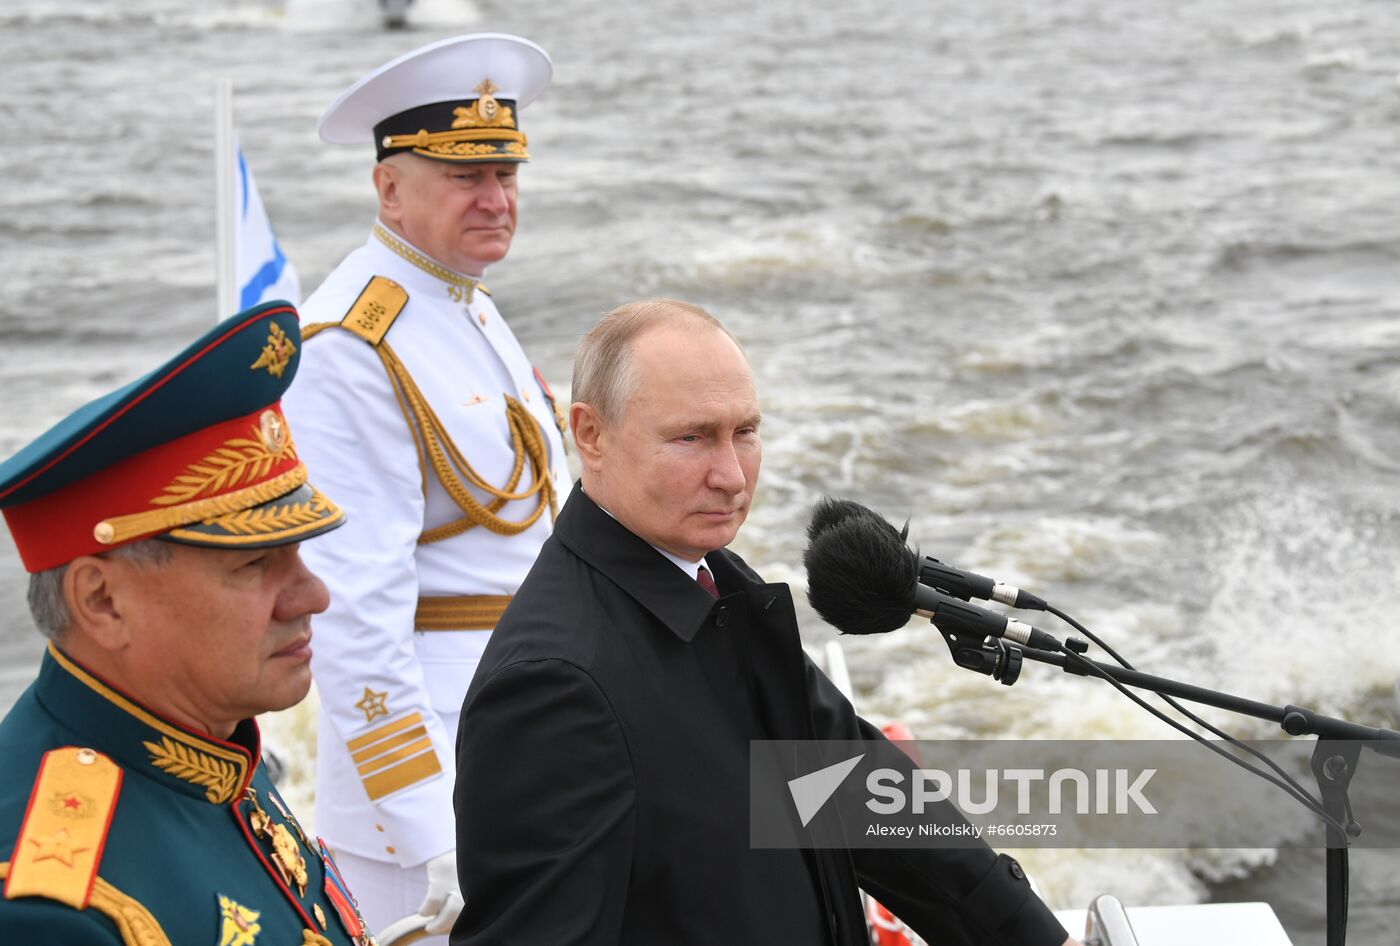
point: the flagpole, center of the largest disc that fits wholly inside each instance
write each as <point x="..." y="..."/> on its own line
<point x="224" y="185"/>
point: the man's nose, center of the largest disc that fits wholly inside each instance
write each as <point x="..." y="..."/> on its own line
<point x="726" y="472"/>
<point x="303" y="594"/>
<point x="491" y="196"/>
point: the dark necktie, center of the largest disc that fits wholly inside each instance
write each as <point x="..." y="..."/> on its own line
<point x="707" y="581"/>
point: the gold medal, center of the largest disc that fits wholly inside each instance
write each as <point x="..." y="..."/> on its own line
<point x="259" y="819"/>
<point x="287" y="856"/>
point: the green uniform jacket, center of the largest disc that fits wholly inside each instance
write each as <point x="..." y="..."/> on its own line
<point x="120" y="827"/>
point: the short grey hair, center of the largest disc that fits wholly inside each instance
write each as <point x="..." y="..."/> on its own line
<point x="46" y="602"/>
<point x="605" y="375"/>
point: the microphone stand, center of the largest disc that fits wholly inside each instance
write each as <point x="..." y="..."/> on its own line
<point x="1334" y="758"/>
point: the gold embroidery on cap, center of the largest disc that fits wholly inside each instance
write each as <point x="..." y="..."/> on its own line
<point x="275" y="518"/>
<point x="462" y="148"/>
<point x="238" y="460"/>
<point x="485" y="112"/>
<point x="276" y="353"/>
<point x="217" y="777"/>
<point x="121" y="528"/>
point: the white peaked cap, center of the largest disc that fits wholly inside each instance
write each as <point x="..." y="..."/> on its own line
<point x="446" y="71"/>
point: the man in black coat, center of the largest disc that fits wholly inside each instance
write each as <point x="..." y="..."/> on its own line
<point x="603" y="750"/>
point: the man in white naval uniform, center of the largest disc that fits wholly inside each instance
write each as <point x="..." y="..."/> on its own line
<point x="441" y="442"/>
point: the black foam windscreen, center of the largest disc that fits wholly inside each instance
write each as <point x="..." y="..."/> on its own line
<point x="829" y="511"/>
<point x="860" y="575"/>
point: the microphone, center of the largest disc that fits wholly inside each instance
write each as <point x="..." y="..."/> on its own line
<point x="829" y="511"/>
<point x="965" y="585"/>
<point x="943" y="577"/>
<point x="863" y="579"/>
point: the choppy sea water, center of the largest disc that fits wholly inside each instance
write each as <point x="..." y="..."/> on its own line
<point x="1102" y="297"/>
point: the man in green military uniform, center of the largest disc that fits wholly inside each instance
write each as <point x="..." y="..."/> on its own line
<point x="160" y="526"/>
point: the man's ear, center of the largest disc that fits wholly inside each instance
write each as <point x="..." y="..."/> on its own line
<point x="387" y="179"/>
<point x="587" y="428"/>
<point x="91" y="591"/>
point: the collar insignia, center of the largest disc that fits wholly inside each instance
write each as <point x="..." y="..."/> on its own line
<point x="218" y="778"/>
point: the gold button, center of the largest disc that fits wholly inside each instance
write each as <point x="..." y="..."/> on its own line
<point x="379" y="827"/>
<point x="389" y="850"/>
<point x="482" y="318"/>
<point x="320" y="914"/>
<point x="104" y="532"/>
<point x="527" y="397"/>
<point x="86" y="757"/>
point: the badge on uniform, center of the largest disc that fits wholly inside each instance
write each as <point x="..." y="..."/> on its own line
<point x="240" y="925"/>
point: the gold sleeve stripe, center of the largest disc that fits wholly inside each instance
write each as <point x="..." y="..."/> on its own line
<point x="388" y="729"/>
<point x="413" y="748"/>
<point x="393" y="742"/>
<point x="404" y="774"/>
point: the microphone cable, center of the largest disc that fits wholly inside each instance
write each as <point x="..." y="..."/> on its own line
<point x="1284" y="781"/>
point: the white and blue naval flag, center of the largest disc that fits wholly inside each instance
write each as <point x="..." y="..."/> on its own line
<point x="261" y="270"/>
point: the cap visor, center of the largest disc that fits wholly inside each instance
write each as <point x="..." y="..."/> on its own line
<point x="292" y="517"/>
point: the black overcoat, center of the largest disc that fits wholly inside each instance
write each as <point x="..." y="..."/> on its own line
<point x="603" y="767"/>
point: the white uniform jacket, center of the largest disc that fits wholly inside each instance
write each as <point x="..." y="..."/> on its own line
<point x="390" y="696"/>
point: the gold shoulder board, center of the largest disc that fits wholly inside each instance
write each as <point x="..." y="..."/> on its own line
<point x="374" y="311"/>
<point x="65" y="827"/>
<point x="481" y="287"/>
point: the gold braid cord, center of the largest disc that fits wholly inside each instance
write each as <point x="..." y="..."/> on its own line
<point x="133" y="921"/>
<point x="436" y="450"/>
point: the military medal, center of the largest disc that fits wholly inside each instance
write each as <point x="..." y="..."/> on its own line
<point x="291" y="820"/>
<point x="339" y="896"/>
<point x="258" y="818"/>
<point x="286" y="856"/>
